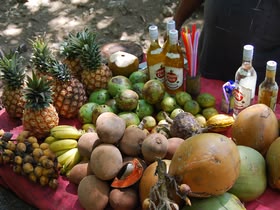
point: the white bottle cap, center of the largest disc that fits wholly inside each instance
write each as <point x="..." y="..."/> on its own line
<point x="271" y="65"/>
<point x="248" y="52"/>
<point x="170" y="25"/>
<point x="153" y="31"/>
<point x="173" y="36"/>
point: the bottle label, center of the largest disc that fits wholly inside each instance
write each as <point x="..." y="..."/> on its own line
<point x="173" y="55"/>
<point x="242" y="97"/>
<point x="157" y="71"/>
<point x="173" y="77"/>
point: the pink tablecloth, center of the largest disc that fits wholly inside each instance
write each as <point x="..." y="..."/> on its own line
<point x="65" y="197"/>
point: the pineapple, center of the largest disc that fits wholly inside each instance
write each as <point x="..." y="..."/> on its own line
<point x="13" y="77"/>
<point x="42" y="57"/>
<point x="69" y="93"/>
<point x="70" y="49"/>
<point x="95" y="74"/>
<point x="39" y="115"/>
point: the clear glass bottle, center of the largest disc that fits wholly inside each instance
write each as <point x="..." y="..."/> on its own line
<point x="169" y="26"/>
<point x="155" y="56"/>
<point x="268" y="89"/>
<point x="245" y="82"/>
<point x="174" y="65"/>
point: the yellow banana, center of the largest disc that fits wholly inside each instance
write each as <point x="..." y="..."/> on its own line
<point x="65" y="156"/>
<point x="71" y="162"/>
<point x="66" y="132"/>
<point x="63" y="144"/>
<point x="61" y="152"/>
<point x="49" y="139"/>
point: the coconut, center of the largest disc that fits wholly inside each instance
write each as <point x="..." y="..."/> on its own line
<point x="273" y="164"/>
<point x="256" y="127"/>
<point x="251" y="182"/>
<point x="208" y="163"/>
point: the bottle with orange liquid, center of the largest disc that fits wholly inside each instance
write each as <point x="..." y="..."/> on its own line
<point x="155" y="56"/>
<point x="174" y="65"/>
<point x="169" y="26"/>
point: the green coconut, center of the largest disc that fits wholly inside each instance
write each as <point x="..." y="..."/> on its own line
<point x="220" y="202"/>
<point x="251" y="182"/>
<point x="273" y="164"/>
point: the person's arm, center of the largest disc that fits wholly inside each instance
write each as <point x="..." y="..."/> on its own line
<point x="185" y="10"/>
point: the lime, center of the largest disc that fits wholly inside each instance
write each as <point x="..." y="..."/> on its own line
<point x="192" y="107"/>
<point x="138" y="76"/>
<point x="118" y="83"/>
<point x="138" y="88"/>
<point x="201" y="120"/>
<point x="168" y="104"/>
<point x="153" y="91"/>
<point x="127" y="100"/>
<point x="130" y="118"/>
<point x="144" y="109"/>
<point x="85" y="112"/>
<point x="181" y="98"/>
<point x="149" y="122"/>
<point x="206" y="100"/>
<point x="175" y="112"/>
<point x="113" y="104"/>
<point x="160" y="116"/>
<point x="209" y="112"/>
<point x="99" y="96"/>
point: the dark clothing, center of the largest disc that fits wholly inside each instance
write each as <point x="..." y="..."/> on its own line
<point x="231" y="24"/>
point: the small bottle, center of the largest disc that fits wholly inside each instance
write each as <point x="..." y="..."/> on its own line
<point x="169" y="26"/>
<point x="155" y="56"/>
<point x="245" y="82"/>
<point x="174" y="65"/>
<point x="268" y="89"/>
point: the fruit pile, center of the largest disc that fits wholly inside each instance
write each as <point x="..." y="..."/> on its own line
<point x="30" y="158"/>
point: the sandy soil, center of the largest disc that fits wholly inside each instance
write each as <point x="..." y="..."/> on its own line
<point x="22" y="20"/>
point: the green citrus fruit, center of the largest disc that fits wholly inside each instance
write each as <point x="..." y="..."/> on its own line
<point x="118" y="83"/>
<point x="138" y="76"/>
<point x="144" y="109"/>
<point x="176" y="111"/>
<point x="209" y="112"/>
<point x="130" y="118"/>
<point x="168" y="104"/>
<point x="153" y="91"/>
<point x="99" y="96"/>
<point x="192" y="107"/>
<point x="138" y="88"/>
<point x="206" y="100"/>
<point x="85" y="112"/>
<point x="181" y="98"/>
<point x="127" y="100"/>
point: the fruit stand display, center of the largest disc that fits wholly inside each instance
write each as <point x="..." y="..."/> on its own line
<point x="77" y="134"/>
<point x="65" y="196"/>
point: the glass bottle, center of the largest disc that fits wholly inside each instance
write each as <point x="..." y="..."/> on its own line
<point x="245" y="82"/>
<point x="268" y="89"/>
<point x="155" y="56"/>
<point x="169" y="26"/>
<point x="174" y="65"/>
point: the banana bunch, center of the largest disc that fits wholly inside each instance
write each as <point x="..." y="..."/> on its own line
<point x="63" y="141"/>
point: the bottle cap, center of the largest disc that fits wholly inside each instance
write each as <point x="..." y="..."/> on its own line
<point x="170" y="25"/>
<point x="173" y="36"/>
<point x="271" y="65"/>
<point x="153" y="31"/>
<point x="248" y="52"/>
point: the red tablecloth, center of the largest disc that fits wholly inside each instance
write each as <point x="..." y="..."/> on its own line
<point x="65" y="197"/>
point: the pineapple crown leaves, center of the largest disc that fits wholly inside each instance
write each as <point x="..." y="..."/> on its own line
<point x="42" y="55"/>
<point x="13" y="73"/>
<point x="72" y="45"/>
<point x="38" y="93"/>
<point x="60" y="71"/>
<point x="85" y="48"/>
